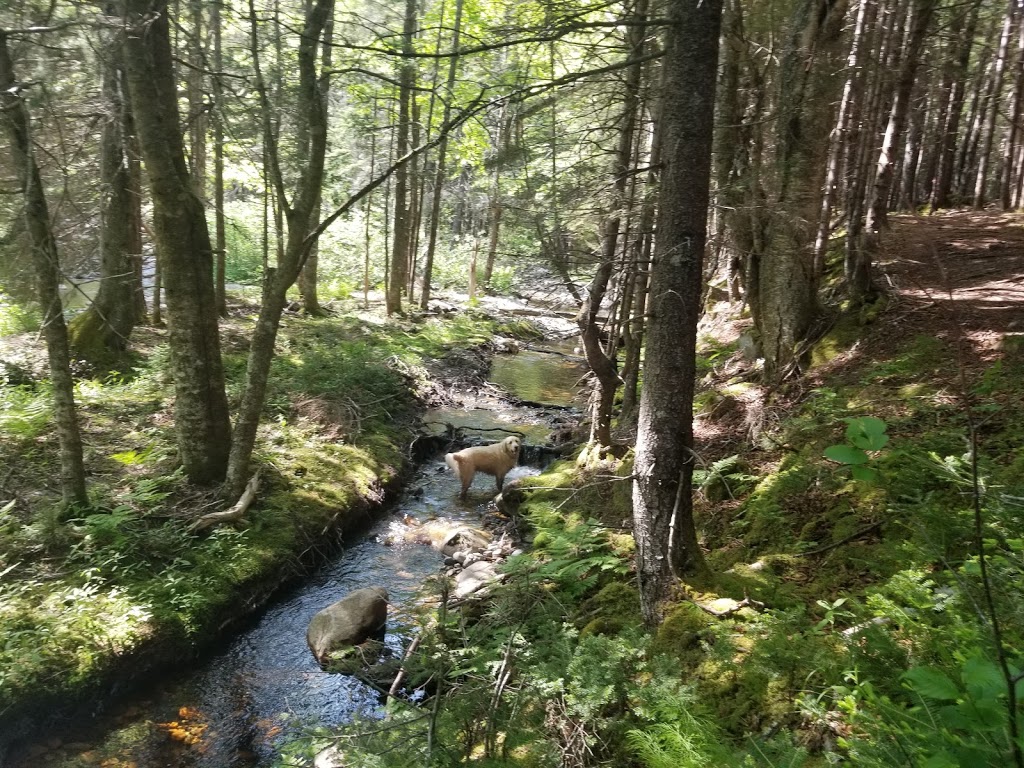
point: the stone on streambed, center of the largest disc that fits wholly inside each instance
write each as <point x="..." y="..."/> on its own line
<point x="475" y="578"/>
<point x="356" y="618"/>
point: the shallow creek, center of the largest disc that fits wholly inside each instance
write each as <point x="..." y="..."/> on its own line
<point x="234" y="708"/>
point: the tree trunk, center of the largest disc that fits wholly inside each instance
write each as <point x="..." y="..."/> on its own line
<point x="101" y="332"/>
<point x="847" y="126"/>
<point x="309" y="278"/>
<point x="1007" y="179"/>
<point x="788" y="290"/>
<point x="907" y="196"/>
<point x="967" y="21"/>
<point x="918" y="20"/>
<point x="981" y="95"/>
<point x="400" y="244"/>
<point x="45" y="259"/>
<point x="663" y="525"/>
<point x="220" y="238"/>
<point x="606" y="377"/>
<point x="989" y="128"/>
<point x="439" y="170"/>
<point x="183" y="241"/>
<point x="311" y="137"/>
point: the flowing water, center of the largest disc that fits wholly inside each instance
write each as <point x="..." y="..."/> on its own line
<point x="265" y="687"/>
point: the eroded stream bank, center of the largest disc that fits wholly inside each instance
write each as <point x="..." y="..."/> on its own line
<point x="264" y="688"/>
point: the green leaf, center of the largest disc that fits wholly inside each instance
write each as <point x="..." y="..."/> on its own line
<point x="864" y="474"/>
<point x="932" y="684"/>
<point x="846" y="454"/>
<point x="867" y="432"/>
<point x="982" y="678"/>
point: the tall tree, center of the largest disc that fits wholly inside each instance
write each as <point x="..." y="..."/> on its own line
<point x="662" y="492"/>
<point x="919" y="18"/>
<point x="101" y="332"/>
<point x="15" y="118"/>
<point x="440" y="166"/>
<point x="183" y="242"/>
<point x="403" y="214"/>
<point x="299" y="208"/>
<point x="603" y="364"/>
<point x="786" y="295"/>
<point x="988" y="130"/>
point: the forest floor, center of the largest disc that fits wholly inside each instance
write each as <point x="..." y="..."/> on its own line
<point x="954" y="275"/>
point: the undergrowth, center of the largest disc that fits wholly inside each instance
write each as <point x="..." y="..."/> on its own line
<point x="847" y="622"/>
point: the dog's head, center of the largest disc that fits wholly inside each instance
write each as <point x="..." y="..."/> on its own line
<point x="512" y="445"/>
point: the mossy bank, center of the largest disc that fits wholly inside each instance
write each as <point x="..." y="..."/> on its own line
<point x="93" y="601"/>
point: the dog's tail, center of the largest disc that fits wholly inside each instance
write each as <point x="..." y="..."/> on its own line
<point x="453" y="461"/>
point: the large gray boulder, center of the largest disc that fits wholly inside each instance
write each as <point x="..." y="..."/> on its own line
<point x="354" y="619"/>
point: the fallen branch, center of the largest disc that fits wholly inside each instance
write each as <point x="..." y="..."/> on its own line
<point x="396" y="685"/>
<point x="243" y="503"/>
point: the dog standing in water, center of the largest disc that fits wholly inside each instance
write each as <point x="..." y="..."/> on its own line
<point x="496" y="459"/>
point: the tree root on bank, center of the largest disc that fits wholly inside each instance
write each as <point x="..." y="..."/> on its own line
<point x="234" y="513"/>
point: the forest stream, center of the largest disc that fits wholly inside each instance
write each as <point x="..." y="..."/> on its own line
<point x="264" y="688"/>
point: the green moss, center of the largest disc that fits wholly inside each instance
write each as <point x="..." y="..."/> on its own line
<point x="843" y="335"/>
<point x="681" y="632"/>
<point x="615" y="607"/>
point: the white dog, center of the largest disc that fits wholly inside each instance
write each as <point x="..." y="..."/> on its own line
<point x="495" y="459"/>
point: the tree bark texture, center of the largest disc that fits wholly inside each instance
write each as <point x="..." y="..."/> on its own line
<point x="15" y="119"/>
<point x="662" y="492"/>
<point x="183" y="243"/>
<point x="101" y="332"/>
<point x="807" y="86"/>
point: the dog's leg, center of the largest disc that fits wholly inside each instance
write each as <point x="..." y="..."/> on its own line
<point x="466" y="473"/>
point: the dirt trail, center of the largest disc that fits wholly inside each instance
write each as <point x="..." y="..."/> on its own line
<point x="960" y="269"/>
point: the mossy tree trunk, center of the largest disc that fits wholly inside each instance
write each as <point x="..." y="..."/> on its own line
<point x="15" y="119"/>
<point x="787" y="290"/>
<point x="662" y="492"/>
<point x="183" y="244"/>
<point x="100" y="334"/>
